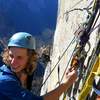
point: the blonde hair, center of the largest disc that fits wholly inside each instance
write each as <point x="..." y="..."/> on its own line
<point x="32" y="61"/>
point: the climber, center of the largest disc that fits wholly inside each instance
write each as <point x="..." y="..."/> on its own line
<point x="20" y="60"/>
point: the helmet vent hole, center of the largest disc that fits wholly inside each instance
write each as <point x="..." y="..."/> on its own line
<point x="28" y="37"/>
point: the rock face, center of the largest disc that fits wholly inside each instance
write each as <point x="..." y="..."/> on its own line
<point x="71" y="14"/>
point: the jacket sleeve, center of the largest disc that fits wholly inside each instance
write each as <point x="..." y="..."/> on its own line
<point x="14" y="91"/>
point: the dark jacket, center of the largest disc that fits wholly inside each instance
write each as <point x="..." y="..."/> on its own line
<point x="11" y="88"/>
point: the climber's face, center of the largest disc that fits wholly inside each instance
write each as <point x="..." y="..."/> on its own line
<point x="18" y="58"/>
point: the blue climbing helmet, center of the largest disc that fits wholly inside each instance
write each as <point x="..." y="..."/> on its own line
<point x="23" y="40"/>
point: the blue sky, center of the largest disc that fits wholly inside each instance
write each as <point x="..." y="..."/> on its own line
<point x="33" y="16"/>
